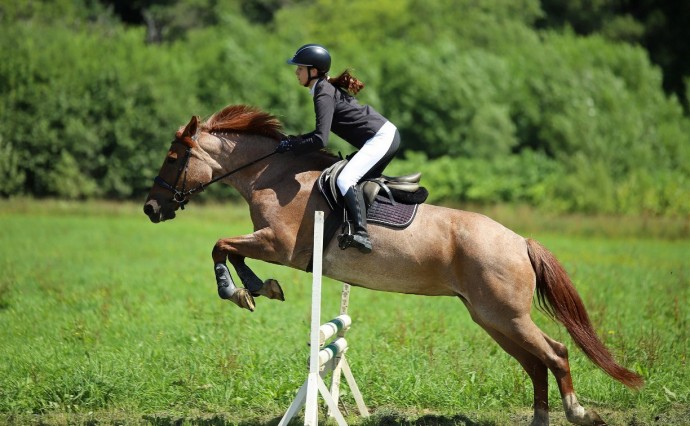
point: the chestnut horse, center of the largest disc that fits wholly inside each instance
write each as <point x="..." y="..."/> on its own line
<point x="444" y="252"/>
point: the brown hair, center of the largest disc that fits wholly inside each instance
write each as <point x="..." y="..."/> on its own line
<point x="556" y="295"/>
<point x="244" y="119"/>
<point x="347" y="82"/>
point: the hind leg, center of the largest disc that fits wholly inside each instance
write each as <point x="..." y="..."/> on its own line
<point x="536" y="370"/>
<point x="523" y="332"/>
<point x="574" y="412"/>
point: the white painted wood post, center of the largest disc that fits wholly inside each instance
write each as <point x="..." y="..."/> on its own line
<point x="311" y="411"/>
<point x="330" y="358"/>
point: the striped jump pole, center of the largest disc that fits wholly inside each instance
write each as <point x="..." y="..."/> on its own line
<point x="325" y="358"/>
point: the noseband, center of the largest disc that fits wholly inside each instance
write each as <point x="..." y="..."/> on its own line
<point x="180" y="196"/>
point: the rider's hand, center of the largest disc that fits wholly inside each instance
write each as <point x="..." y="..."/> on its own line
<point x="285" y="145"/>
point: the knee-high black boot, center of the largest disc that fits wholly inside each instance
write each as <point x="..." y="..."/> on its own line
<point x="354" y="203"/>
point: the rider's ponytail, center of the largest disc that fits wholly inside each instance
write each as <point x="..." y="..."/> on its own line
<point x="347" y="82"/>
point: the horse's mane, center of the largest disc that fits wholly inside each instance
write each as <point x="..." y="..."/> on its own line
<point x="252" y="120"/>
<point x="244" y="119"/>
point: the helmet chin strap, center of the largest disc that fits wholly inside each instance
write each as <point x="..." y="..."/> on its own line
<point x="311" y="77"/>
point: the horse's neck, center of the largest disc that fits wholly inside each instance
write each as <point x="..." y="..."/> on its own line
<point x="283" y="170"/>
<point x="227" y="154"/>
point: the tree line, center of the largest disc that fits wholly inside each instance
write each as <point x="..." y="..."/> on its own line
<point x="496" y="101"/>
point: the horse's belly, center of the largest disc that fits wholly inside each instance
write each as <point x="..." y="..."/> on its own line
<point x="416" y="260"/>
<point x="445" y="252"/>
<point x="394" y="279"/>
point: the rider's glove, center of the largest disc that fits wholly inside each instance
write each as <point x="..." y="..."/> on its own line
<point x="285" y="145"/>
<point x="299" y="144"/>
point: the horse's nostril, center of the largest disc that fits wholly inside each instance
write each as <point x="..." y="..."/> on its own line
<point x="148" y="209"/>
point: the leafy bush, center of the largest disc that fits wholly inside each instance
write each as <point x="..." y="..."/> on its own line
<point x="526" y="178"/>
<point x="90" y="107"/>
<point x="489" y="108"/>
<point x="11" y="173"/>
<point x="449" y="104"/>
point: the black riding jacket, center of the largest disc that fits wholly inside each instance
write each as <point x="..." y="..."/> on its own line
<point x="338" y="111"/>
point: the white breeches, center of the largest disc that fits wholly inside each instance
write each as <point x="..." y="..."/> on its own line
<point x="373" y="151"/>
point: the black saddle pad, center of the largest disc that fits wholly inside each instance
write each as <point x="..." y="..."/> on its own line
<point x="398" y="215"/>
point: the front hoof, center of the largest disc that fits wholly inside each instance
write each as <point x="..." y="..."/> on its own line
<point x="243" y="298"/>
<point x="272" y="290"/>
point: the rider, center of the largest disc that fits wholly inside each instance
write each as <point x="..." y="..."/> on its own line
<point x="337" y="110"/>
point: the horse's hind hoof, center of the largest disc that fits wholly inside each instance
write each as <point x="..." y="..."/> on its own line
<point x="589" y="418"/>
<point x="596" y="420"/>
<point x="272" y="290"/>
<point x="243" y="298"/>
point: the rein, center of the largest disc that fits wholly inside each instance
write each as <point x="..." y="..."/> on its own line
<point x="180" y="195"/>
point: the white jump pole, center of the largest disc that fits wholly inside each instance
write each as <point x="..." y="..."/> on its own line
<point x="330" y="358"/>
<point x="342" y="367"/>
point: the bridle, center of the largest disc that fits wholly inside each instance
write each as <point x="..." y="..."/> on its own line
<point x="180" y="196"/>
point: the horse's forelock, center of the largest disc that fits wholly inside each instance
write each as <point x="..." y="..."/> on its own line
<point x="244" y="119"/>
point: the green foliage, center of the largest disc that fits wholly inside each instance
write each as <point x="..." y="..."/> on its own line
<point x="70" y="13"/>
<point x="361" y="27"/>
<point x="529" y="178"/>
<point x="600" y="113"/>
<point x="11" y="173"/>
<point x="509" y="112"/>
<point x="658" y="26"/>
<point x="493" y="25"/>
<point x="171" y="20"/>
<point x="449" y="113"/>
<point x="84" y="106"/>
<point x="230" y="70"/>
<point x="66" y="179"/>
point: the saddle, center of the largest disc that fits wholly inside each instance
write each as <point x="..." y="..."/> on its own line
<point x="390" y="200"/>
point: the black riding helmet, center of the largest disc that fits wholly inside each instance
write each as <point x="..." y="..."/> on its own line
<point x="312" y="56"/>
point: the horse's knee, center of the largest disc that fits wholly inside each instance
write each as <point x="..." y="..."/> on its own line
<point x="218" y="253"/>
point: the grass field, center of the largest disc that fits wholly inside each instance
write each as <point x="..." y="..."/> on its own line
<point x="106" y="318"/>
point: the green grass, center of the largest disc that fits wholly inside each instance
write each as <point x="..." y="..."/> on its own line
<point x="106" y="318"/>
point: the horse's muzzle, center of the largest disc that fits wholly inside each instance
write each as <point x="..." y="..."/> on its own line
<point x="152" y="210"/>
<point x="156" y="213"/>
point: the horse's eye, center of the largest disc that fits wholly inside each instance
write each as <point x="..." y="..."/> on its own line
<point x="172" y="157"/>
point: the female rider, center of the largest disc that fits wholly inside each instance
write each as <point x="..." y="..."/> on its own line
<point x="338" y="111"/>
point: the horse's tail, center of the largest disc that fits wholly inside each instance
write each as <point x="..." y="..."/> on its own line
<point x="557" y="296"/>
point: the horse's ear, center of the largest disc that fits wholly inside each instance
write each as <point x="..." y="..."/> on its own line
<point x="189" y="132"/>
<point x="192" y="127"/>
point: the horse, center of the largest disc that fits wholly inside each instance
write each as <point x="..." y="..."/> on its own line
<point x="496" y="273"/>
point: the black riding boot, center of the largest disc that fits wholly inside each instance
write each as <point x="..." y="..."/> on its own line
<point x="354" y="203"/>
